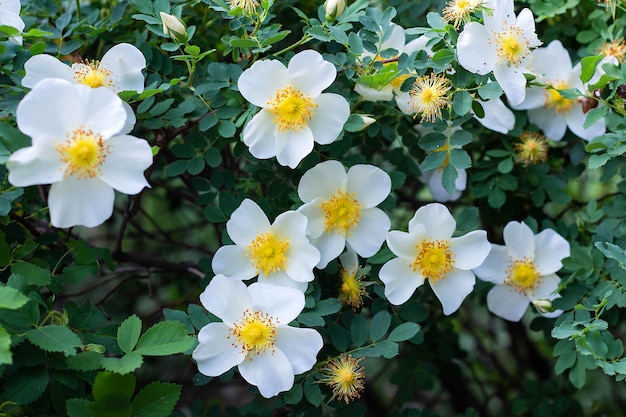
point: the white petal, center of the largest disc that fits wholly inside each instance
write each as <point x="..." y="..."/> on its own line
<point x="323" y="180"/>
<point x="494" y="267"/>
<point x="520" y="240"/>
<point x="349" y="260"/>
<point x="103" y="111"/>
<point x="310" y="73"/>
<point x="80" y="202"/>
<point x="405" y="244"/>
<point x="291" y="224"/>
<point x="233" y="262"/>
<point x="226" y="298"/>
<point x="553" y="125"/>
<point x="498" y="117"/>
<point x="316" y="223"/>
<point x="400" y="280"/>
<point x="512" y="81"/>
<point x="470" y="250"/>
<point x="270" y="372"/>
<point x="282" y="304"/>
<point x="535" y="98"/>
<point x="368" y="236"/>
<point x="372" y="94"/>
<point x="123" y="169"/>
<point x="8" y="18"/>
<point x="553" y="61"/>
<point x="502" y="11"/>
<point x="395" y="40"/>
<point x="125" y="63"/>
<point x="12" y="6"/>
<point x="331" y="114"/>
<point x="526" y="22"/>
<point x="330" y="246"/>
<point x="507" y="303"/>
<point x="301" y="346"/>
<point x="437" y="221"/>
<point x="215" y="353"/>
<point x="575" y="120"/>
<point x="403" y="101"/>
<point x="302" y="258"/>
<point x="417" y="44"/>
<point x="292" y="147"/>
<point x="550" y="249"/>
<point x="130" y="119"/>
<point x="453" y="289"/>
<point x="282" y="279"/>
<point x="260" y="83"/>
<point x="547" y="288"/>
<point x="259" y="135"/>
<point x="371" y="184"/>
<point x="35" y="165"/>
<point x="41" y="67"/>
<point x="475" y="49"/>
<point x="247" y="222"/>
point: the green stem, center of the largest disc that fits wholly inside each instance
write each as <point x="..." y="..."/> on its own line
<point x="302" y="41"/>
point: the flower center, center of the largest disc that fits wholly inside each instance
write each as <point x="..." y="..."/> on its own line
<point x="352" y="288"/>
<point x="523" y="276"/>
<point x="268" y="253"/>
<point x="255" y="332"/>
<point x="83" y="153"/>
<point x="459" y="10"/>
<point x="291" y="109"/>
<point x="511" y="45"/>
<point x="92" y="75"/>
<point x="342" y="212"/>
<point x="554" y="99"/>
<point x="434" y="259"/>
<point x="429" y="95"/>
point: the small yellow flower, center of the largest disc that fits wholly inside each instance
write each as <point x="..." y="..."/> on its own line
<point x="345" y="376"/>
<point x="429" y="95"/>
<point x="532" y="149"/>
<point x="458" y="11"/>
<point x="352" y="288"/>
<point x="615" y="49"/>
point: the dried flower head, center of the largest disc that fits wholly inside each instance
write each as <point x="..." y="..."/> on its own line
<point x="248" y="6"/>
<point x="458" y="11"/>
<point x="429" y="95"/>
<point x="532" y="149"/>
<point x="352" y="288"/>
<point x="345" y="376"/>
<point x="615" y="49"/>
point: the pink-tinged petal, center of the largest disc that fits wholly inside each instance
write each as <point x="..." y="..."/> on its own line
<point x="310" y="73"/>
<point x="519" y="240"/>
<point x="452" y="290"/>
<point x="302" y="258"/>
<point x="371" y="184"/>
<point x="215" y="353"/>
<point x="437" y="221"/>
<point x="575" y="119"/>
<point x="535" y="98"/>
<point x="400" y="280"/>
<point x="372" y="94"/>
<point x="368" y="236"/>
<point x="233" y="262"/>
<point x="247" y="222"/>
<point x="553" y="61"/>
<point x="259" y="135"/>
<point x="526" y="22"/>
<point x="80" y="202"/>
<point x="125" y="63"/>
<point x="498" y="117"/>
<point x="123" y="169"/>
<point x="550" y="249"/>
<point x="512" y="81"/>
<point x="260" y="83"/>
<point x="227" y="299"/>
<point x="546" y="288"/>
<point x="553" y="125"/>
<point x="292" y="147"/>
<point x="323" y="180"/>
<point x="35" y="165"/>
<point x="270" y="372"/>
<point x="331" y="114"/>
<point x="470" y="250"/>
<point x="330" y="246"/>
<point x="301" y="346"/>
<point x="316" y="223"/>
<point x="494" y="267"/>
<point x="476" y="50"/>
<point x="507" y="303"/>
<point x="404" y="245"/>
<point x="103" y="111"/>
<point x="282" y="304"/>
<point x="41" y="67"/>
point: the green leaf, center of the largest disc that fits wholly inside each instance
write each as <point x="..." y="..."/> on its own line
<point x="403" y="332"/>
<point x="11" y="299"/>
<point x="6" y="358"/>
<point x="156" y="400"/>
<point x="85" y="361"/>
<point x="595" y="115"/>
<point x="165" y="338"/>
<point x="460" y="138"/>
<point x="434" y="160"/>
<point x="462" y="102"/>
<point x="226" y="129"/>
<point x="578" y="374"/>
<point x="128" y="333"/>
<point x="359" y="331"/>
<point x="113" y="405"/>
<point x="328" y="306"/>
<point x="110" y="383"/>
<point x="435" y="20"/>
<point x="5" y="249"/>
<point x="294" y="395"/>
<point x="588" y="67"/>
<point x="77" y="407"/>
<point x="460" y="159"/>
<point x="54" y="338"/>
<point x="124" y="365"/>
<point x="490" y="91"/>
<point x="32" y="274"/>
<point x="467" y="219"/>
<point x="388" y="349"/>
<point x="354" y="123"/>
<point x="432" y="141"/>
<point x="312" y="392"/>
<point x="379" y="325"/>
<point x="25" y="386"/>
<point x="597" y="161"/>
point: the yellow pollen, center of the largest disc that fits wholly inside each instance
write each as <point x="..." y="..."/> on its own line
<point x="554" y="99"/>
<point x="522" y="276"/>
<point x="83" y="153"/>
<point x="458" y="11"/>
<point x="92" y="75"/>
<point x="255" y="332"/>
<point x="268" y="253"/>
<point x="434" y="259"/>
<point x="342" y="213"/>
<point x="345" y="376"/>
<point x="291" y="109"/>
<point x="429" y="95"/>
<point x="616" y="49"/>
<point x="511" y="45"/>
<point x="532" y="149"/>
<point x="352" y="289"/>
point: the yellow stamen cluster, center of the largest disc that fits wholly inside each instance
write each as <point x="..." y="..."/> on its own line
<point x="434" y="259"/>
<point x="522" y="276"/>
<point x="532" y="149"/>
<point x="554" y="99"/>
<point x="342" y="213"/>
<point x="91" y="74"/>
<point x="248" y="6"/>
<point x="458" y="11"/>
<point x="511" y="45"/>
<point x="429" y="95"/>
<point x="292" y="110"/>
<point x="268" y="253"/>
<point x="83" y="152"/>
<point x="255" y="333"/>
<point x="616" y="49"/>
<point x="345" y="376"/>
<point x="352" y="289"/>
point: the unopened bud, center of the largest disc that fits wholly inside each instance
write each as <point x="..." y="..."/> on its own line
<point x="334" y="9"/>
<point x="367" y="121"/>
<point x="93" y="347"/>
<point x="174" y="28"/>
<point x="544" y="305"/>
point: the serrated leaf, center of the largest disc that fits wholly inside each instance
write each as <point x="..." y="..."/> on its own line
<point x="490" y="91"/>
<point x="359" y="331"/>
<point x="312" y="392"/>
<point x="448" y="179"/>
<point x="77" y="407"/>
<point x="165" y="338"/>
<point x="588" y="67"/>
<point x="32" y="274"/>
<point x="460" y="159"/>
<point x="156" y="400"/>
<point x="54" y="338"/>
<point x="85" y="361"/>
<point x="388" y="349"/>
<point x="6" y="358"/>
<point x="462" y="102"/>
<point x="113" y="405"/>
<point x="294" y="395"/>
<point x="403" y="332"/>
<point x="434" y="160"/>
<point x="379" y="325"/>
<point x="595" y="115"/>
<point x="110" y="383"/>
<point x="124" y="365"/>
<point x="597" y="161"/>
<point x="328" y="306"/>
<point x="11" y="299"/>
<point x="26" y="386"/>
<point x="128" y="333"/>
